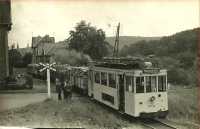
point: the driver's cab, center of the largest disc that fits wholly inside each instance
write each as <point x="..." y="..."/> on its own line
<point x="149" y="84"/>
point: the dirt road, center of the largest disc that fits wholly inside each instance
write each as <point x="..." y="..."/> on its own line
<point x="10" y="101"/>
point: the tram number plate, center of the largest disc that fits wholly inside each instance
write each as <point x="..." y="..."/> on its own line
<point x="151" y="105"/>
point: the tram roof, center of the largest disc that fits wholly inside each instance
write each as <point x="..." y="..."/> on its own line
<point x="133" y="70"/>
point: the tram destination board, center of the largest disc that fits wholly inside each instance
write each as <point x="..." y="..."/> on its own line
<point x="151" y="70"/>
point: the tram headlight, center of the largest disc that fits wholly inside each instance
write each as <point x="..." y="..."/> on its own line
<point x="159" y="95"/>
<point x="152" y="98"/>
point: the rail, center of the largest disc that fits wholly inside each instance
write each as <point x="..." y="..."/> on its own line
<point x="156" y="124"/>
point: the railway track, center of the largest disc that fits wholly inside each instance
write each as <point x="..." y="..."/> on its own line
<point x="155" y="124"/>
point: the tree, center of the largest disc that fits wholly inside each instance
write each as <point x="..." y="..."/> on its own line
<point x="89" y="40"/>
<point x="27" y="58"/>
<point x="124" y="51"/>
<point x="187" y="59"/>
<point x="14" y="57"/>
<point x="110" y="50"/>
<point x="73" y="58"/>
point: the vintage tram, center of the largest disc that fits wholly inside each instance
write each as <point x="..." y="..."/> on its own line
<point x="79" y="79"/>
<point x="130" y="86"/>
<point x="127" y="84"/>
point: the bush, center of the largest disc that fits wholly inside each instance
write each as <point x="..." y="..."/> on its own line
<point x="20" y="64"/>
<point x="177" y="74"/>
<point x="11" y="84"/>
<point x="10" y="79"/>
<point x="29" y="81"/>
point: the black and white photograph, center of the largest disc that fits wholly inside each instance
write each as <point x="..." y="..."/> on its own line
<point x="99" y="64"/>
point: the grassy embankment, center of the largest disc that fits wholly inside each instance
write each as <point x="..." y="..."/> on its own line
<point x="183" y="105"/>
<point x="72" y="113"/>
<point x="82" y="112"/>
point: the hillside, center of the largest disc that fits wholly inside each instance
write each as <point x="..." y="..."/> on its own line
<point x="127" y="40"/>
<point x="177" y="53"/>
<point x="123" y="40"/>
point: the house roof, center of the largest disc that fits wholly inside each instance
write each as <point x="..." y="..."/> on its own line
<point x="58" y="45"/>
<point x="39" y="39"/>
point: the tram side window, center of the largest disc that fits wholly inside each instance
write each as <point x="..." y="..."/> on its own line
<point x="139" y="84"/>
<point x="97" y="77"/>
<point x="161" y="83"/>
<point x="85" y="83"/>
<point x="112" y="80"/>
<point x="129" y="86"/>
<point x="104" y="79"/>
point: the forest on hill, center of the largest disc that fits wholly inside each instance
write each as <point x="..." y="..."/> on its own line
<point x="177" y="53"/>
<point x="127" y="40"/>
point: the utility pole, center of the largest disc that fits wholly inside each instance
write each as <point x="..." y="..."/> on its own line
<point x="115" y="54"/>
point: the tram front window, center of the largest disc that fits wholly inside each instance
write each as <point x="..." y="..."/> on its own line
<point x="151" y="84"/>
<point x="139" y="84"/>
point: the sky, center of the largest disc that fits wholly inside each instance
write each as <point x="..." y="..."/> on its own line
<point x="149" y="18"/>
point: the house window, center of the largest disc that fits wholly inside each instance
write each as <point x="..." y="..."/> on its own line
<point x="47" y="59"/>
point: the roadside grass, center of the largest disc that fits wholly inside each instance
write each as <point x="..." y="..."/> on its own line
<point x="79" y="113"/>
<point x="183" y="105"/>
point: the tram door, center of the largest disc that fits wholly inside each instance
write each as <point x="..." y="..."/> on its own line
<point x="90" y="83"/>
<point x="121" y="92"/>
